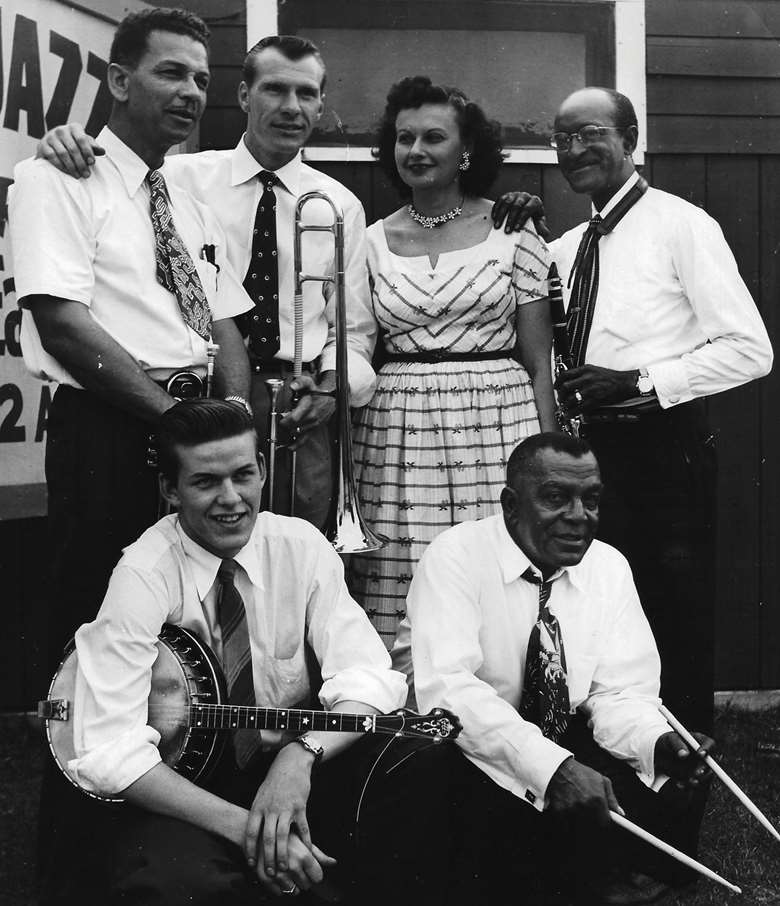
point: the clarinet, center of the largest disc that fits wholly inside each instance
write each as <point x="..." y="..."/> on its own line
<point x="563" y="360"/>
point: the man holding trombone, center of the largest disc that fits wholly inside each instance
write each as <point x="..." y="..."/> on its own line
<point x="252" y="190"/>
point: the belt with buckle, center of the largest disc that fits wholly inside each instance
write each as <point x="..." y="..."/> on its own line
<point x="183" y="385"/>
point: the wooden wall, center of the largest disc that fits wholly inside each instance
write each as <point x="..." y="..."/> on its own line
<point x="713" y="86"/>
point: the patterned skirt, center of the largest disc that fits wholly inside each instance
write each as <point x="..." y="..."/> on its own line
<point x="431" y="450"/>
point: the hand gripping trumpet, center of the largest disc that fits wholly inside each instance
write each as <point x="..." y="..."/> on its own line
<point x="563" y="360"/>
<point x="348" y="532"/>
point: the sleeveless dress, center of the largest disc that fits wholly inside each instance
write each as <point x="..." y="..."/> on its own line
<point x="431" y="447"/>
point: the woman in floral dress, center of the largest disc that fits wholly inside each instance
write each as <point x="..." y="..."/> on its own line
<point x="466" y="329"/>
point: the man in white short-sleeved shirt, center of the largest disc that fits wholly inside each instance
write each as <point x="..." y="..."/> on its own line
<point x="97" y="317"/>
<point x="535" y="794"/>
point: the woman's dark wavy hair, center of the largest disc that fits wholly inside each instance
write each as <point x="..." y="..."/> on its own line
<point x="476" y="130"/>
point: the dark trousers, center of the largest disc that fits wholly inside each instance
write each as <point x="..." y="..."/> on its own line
<point x="501" y="843"/>
<point x="102" y="496"/>
<point x="314" y="475"/>
<point x="379" y="809"/>
<point x="658" y="508"/>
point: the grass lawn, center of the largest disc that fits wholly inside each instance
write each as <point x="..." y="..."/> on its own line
<point x="732" y="844"/>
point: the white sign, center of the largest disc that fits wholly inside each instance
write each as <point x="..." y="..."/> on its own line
<point x="52" y="66"/>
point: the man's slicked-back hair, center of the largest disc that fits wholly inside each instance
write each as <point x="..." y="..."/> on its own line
<point x="291" y="46"/>
<point x="132" y="34"/>
<point x="193" y="422"/>
<point x="522" y="462"/>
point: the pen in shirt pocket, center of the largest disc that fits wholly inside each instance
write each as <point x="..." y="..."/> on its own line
<point x="209" y="253"/>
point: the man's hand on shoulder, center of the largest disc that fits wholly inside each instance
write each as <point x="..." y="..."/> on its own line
<point x="577" y="792"/>
<point x="69" y="149"/>
<point x="279" y="803"/>
<point x="674" y="757"/>
<point x="516" y="208"/>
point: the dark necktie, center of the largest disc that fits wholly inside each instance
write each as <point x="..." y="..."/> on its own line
<point x="236" y="656"/>
<point x="175" y="268"/>
<point x="545" y="697"/>
<point x="262" y="277"/>
<point x="584" y="275"/>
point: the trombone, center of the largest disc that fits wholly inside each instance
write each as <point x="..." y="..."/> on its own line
<point x="347" y="532"/>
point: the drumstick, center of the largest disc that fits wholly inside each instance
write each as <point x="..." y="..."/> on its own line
<point x="671" y="851"/>
<point x="718" y="771"/>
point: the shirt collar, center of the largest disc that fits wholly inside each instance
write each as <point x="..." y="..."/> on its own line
<point x="131" y="168"/>
<point x="245" y="166"/>
<point x="513" y="561"/>
<point x="623" y="190"/>
<point x="205" y="564"/>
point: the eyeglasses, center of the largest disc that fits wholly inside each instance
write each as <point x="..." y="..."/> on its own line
<point x="587" y="135"/>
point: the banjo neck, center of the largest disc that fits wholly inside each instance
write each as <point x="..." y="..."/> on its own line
<point x="248" y="717"/>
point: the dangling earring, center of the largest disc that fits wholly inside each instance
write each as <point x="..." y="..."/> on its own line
<point x="465" y="161"/>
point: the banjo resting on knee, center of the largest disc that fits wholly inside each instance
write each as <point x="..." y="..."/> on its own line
<point x="188" y="708"/>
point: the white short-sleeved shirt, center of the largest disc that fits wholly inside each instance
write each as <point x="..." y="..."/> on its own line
<point x="92" y="241"/>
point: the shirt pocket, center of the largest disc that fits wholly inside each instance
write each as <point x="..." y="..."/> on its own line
<point x="207" y="273"/>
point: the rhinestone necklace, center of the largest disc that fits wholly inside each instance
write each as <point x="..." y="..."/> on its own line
<point x="428" y="223"/>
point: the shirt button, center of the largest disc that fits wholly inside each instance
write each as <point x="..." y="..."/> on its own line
<point x="275" y="296"/>
<point x="260" y="299"/>
<point x="274" y="253"/>
<point x="267" y="320"/>
<point x="255" y="232"/>
<point x="263" y="340"/>
<point x="254" y="276"/>
<point x="256" y="318"/>
<point x="267" y="277"/>
<point x="674" y="399"/>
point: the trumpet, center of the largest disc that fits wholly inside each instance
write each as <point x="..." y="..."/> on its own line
<point x="563" y="361"/>
<point x="347" y="531"/>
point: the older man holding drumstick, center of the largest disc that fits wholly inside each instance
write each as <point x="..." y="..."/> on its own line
<point x="533" y="633"/>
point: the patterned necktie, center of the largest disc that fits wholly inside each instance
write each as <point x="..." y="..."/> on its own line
<point x="262" y="277"/>
<point x="175" y="268"/>
<point x="236" y="656"/>
<point x="584" y="275"/>
<point x="545" y="698"/>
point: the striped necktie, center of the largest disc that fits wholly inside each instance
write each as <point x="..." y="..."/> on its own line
<point x="175" y="267"/>
<point x="584" y="275"/>
<point x="236" y="656"/>
<point x="545" y="697"/>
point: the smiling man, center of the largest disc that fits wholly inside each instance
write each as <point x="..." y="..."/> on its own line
<point x="267" y="594"/>
<point x="659" y="319"/>
<point x="252" y="190"/>
<point x="533" y="633"/>
<point x="120" y="300"/>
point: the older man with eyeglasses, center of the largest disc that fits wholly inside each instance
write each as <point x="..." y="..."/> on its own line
<point x="659" y="318"/>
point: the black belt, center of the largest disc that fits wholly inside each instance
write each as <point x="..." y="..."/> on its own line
<point x="184" y="385"/>
<point x="614" y="415"/>
<point x="277" y="366"/>
<point x="432" y="356"/>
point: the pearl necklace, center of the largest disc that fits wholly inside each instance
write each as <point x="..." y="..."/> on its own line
<point x="428" y="223"/>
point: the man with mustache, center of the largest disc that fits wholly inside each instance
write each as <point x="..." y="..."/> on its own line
<point x="659" y="319"/>
<point x="252" y="190"/>
<point x="123" y="282"/>
<point x="533" y="633"/>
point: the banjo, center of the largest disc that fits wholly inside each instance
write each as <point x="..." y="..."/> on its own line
<point x="188" y="707"/>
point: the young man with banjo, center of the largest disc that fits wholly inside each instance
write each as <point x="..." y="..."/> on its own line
<point x="280" y="809"/>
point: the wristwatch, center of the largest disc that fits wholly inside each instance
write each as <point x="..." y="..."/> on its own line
<point x="241" y="402"/>
<point x="644" y="383"/>
<point x="311" y="745"/>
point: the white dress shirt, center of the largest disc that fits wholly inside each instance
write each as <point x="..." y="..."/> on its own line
<point x="92" y="241"/>
<point x="227" y="182"/>
<point x="671" y="300"/>
<point x="469" y="618"/>
<point x="292" y="584"/>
